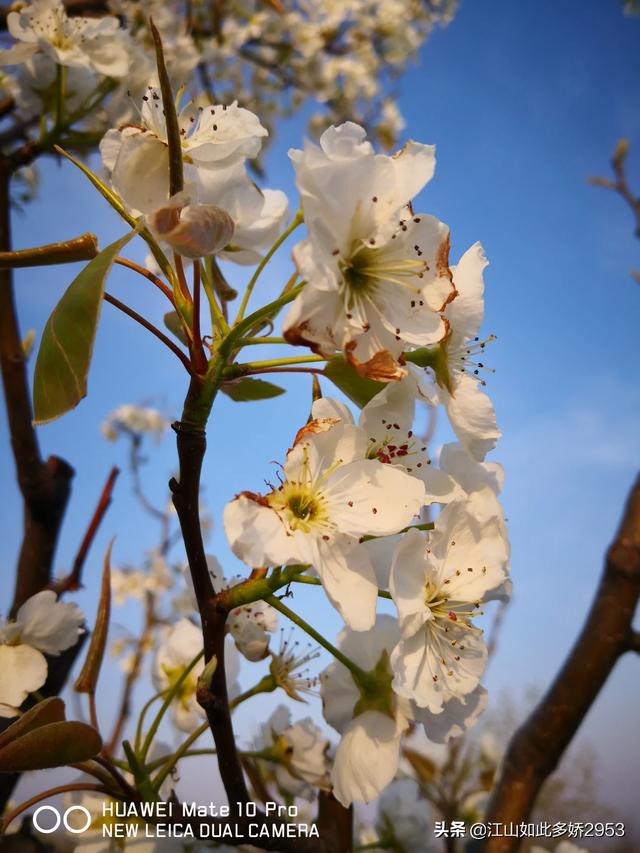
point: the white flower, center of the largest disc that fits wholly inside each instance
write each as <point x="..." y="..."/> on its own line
<point x="135" y="583"/>
<point x="177" y="651"/>
<point x="456" y="717"/>
<point x="387" y="420"/>
<point x="368" y="754"/>
<point x="42" y="626"/>
<point x="437" y="583"/>
<point x="213" y="138"/>
<point x="329" y="497"/>
<point x="258" y="215"/>
<point x="179" y="648"/>
<point x="45" y="28"/>
<point x="404" y="816"/>
<point x="193" y="230"/>
<point x="134" y="419"/>
<point x="301" y="750"/>
<point x="289" y="667"/>
<point x="377" y="274"/>
<point x="456" y="381"/>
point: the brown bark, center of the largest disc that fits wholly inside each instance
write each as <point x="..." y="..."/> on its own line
<point x="45" y="486"/>
<point x="334" y="822"/>
<point x="538" y="745"/>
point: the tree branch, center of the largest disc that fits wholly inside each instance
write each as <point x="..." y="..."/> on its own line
<point x="538" y="745"/>
<point x="212" y="696"/>
<point x="73" y="580"/>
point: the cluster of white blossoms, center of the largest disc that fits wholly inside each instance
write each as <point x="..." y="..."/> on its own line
<point x="347" y="504"/>
<point x="342" y="54"/>
<point x="221" y="210"/>
<point x="42" y="626"/>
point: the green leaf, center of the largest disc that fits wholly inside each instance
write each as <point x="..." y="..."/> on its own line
<point x="357" y="388"/>
<point x="53" y="745"/>
<point x="48" y="711"/>
<point x="247" y="390"/>
<point x="174" y="324"/>
<point x="60" y="380"/>
<point x="88" y="679"/>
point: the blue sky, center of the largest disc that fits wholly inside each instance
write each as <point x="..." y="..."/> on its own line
<point x="524" y="101"/>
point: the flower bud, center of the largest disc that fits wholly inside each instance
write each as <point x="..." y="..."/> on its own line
<point x="195" y="230"/>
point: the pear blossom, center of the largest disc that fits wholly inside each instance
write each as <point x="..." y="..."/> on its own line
<point x="378" y="275"/>
<point x="42" y="626"/>
<point x="330" y="496"/>
<point x="249" y="624"/>
<point x="437" y="583"/>
<point x="134" y="419"/>
<point x="289" y="667"/>
<point x="300" y="750"/>
<point x="457" y="717"/>
<point x="213" y="138"/>
<point x="368" y="754"/>
<point x="387" y="420"/>
<point x="470" y="477"/>
<point x="182" y="643"/>
<point x="43" y="27"/>
<point x="405" y="819"/>
<point x="129" y="583"/>
<point x="455" y="382"/>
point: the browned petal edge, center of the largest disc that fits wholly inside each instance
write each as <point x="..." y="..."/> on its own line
<point x="444" y="270"/>
<point x="253" y="496"/>
<point x="296" y="337"/>
<point x="315" y="426"/>
<point x="383" y="367"/>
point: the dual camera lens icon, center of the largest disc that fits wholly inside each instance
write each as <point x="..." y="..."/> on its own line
<point x="61" y="817"/>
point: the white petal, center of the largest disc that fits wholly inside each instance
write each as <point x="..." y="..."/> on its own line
<point x="326" y="407"/>
<point x="255" y="533"/>
<point x="348" y="579"/>
<point x="466" y="312"/>
<point x="49" y="625"/>
<point x="472" y="416"/>
<point x="141" y="172"/>
<point x="370" y="498"/>
<point x="23" y="669"/>
<point x="456" y="717"/>
<point x="316" y="319"/>
<point x="410" y="571"/>
<point x="469" y="550"/>
<point x="366" y="759"/>
<point x="471" y="475"/>
<point x="421" y="675"/>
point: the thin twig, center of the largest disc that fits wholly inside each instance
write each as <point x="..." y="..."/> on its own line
<point x="73" y="580"/>
<point x="150" y="327"/>
<point x="125" y="262"/>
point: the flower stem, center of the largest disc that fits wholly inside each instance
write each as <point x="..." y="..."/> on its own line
<point x="248" y="342"/>
<point x="316" y="582"/>
<point x="218" y="321"/>
<point x="277" y="604"/>
<point x="298" y="219"/>
<point x="281" y="362"/>
<point x="150" y="327"/>
<point x="265" y="685"/>
<point x="165" y="705"/>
